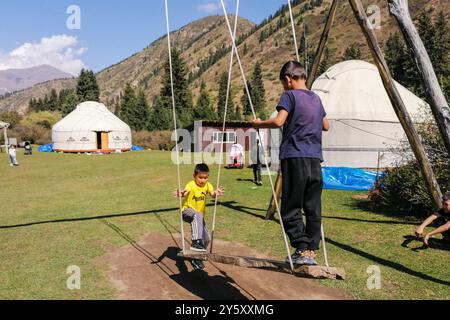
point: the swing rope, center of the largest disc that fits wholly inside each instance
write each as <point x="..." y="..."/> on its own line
<point x="233" y="40"/>
<point x="175" y="125"/>
<point x="322" y="231"/>
<point x="293" y="30"/>
<point x="224" y="128"/>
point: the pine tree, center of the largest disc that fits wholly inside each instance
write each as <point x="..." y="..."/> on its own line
<point x="426" y="31"/>
<point x="53" y="101"/>
<point x="87" y="87"/>
<point x="68" y="100"/>
<point x="128" y="105"/>
<point x="183" y="95"/>
<point x="140" y="113"/>
<point x="237" y="116"/>
<point x="327" y="60"/>
<point x="160" y="117"/>
<point x="353" y="52"/>
<point x="32" y="104"/>
<point x="39" y="105"/>
<point x="246" y="107"/>
<point x="258" y="92"/>
<point x="203" y="109"/>
<point x="440" y="58"/>
<point x="396" y="56"/>
<point x="223" y="86"/>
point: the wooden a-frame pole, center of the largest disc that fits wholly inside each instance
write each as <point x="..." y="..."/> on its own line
<point x="438" y="104"/>
<point x="394" y="96"/>
<point x="397" y="102"/>
<point x="323" y="41"/>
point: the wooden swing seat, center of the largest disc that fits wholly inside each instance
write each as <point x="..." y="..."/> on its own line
<point x="316" y="272"/>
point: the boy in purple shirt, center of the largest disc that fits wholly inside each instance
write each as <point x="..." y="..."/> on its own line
<point x="303" y="118"/>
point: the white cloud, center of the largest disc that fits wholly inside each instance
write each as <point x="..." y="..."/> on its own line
<point x="59" y="51"/>
<point x="210" y="7"/>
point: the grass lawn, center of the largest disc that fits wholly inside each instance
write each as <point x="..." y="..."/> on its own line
<point x="55" y="208"/>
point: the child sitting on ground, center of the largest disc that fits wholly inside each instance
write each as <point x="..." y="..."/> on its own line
<point x="440" y="219"/>
<point x="193" y="210"/>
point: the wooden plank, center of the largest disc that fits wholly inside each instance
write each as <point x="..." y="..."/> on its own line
<point x="398" y="104"/>
<point x="317" y="272"/>
<point x="439" y="106"/>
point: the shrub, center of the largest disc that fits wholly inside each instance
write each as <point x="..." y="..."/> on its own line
<point x="402" y="188"/>
<point x="155" y="140"/>
<point x="45" y="119"/>
<point x="11" y="117"/>
<point x="34" y="133"/>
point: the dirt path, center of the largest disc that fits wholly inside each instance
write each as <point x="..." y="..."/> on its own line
<point x="151" y="270"/>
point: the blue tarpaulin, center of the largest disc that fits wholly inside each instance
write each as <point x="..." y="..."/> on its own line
<point x="136" y="148"/>
<point x="46" y="148"/>
<point x="340" y="178"/>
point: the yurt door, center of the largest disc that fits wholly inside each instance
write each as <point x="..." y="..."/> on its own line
<point x="105" y="141"/>
<point x="102" y="141"/>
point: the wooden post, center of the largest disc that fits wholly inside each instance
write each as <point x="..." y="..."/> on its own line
<point x="439" y="106"/>
<point x="323" y="40"/>
<point x="273" y="206"/>
<point x="397" y="103"/>
<point x="5" y="135"/>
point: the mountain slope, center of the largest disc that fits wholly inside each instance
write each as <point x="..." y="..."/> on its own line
<point x="18" y="79"/>
<point x="201" y="39"/>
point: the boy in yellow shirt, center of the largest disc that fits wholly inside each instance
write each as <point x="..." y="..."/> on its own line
<point x="193" y="210"/>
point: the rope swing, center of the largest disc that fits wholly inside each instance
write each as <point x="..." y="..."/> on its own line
<point x="234" y="51"/>
<point x="224" y="128"/>
<point x="177" y="150"/>
<point x="234" y="48"/>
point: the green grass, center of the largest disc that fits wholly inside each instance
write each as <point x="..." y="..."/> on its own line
<point x="53" y="209"/>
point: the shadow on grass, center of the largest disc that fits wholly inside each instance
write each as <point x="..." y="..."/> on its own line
<point x="108" y="216"/>
<point x="251" y="211"/>
<point x="387" y="263"/>
<point x="230" y="204"/>
<point x="366" y="205"/>
<point x="198" y="283"/>
<point x="433" y="244"/>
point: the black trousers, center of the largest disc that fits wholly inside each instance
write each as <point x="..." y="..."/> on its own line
<point x="439" y="222"/>
<point x="302" y="191"/>
<point x="257" y="172"/>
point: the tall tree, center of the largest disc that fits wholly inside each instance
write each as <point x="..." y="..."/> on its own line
<point x="441" y="57"/>
<point x="160" y="117"/>
<point x="141" y="113"/>
<point x="237" y="116"/>
<point x="259" y="92"/>
<point x="246" y="107"/>
<point x="53" y="102"/>
<point x="203" y="109"/>
<point x="68" y="100"/>
<point x="127" y="105"/>
<point x="327" y="60"/>
<point x="87" y="86"/>
<point x="221" y="100"/>
<point x="182" y="93"/>
<point x="396" y="55"/>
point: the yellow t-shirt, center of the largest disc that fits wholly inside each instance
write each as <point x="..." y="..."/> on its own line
<point x="197" y="196"/>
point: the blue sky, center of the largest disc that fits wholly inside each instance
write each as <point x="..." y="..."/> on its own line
<point x="35" y="32"/>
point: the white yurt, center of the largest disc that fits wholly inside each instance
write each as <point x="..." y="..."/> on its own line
<point x="91" y="127"/>
<point x="364" y="126"/>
